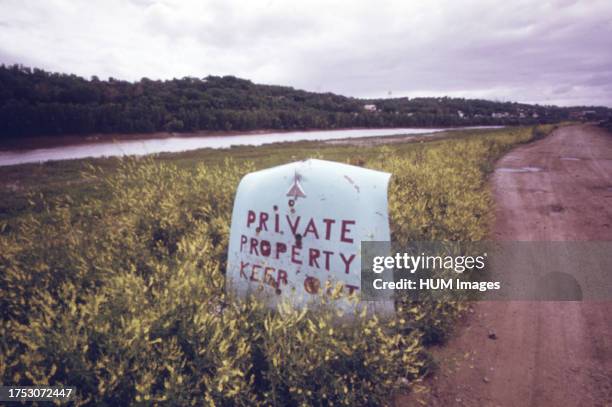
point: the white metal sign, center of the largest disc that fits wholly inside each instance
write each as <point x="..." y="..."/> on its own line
<point x="297" y="226"/>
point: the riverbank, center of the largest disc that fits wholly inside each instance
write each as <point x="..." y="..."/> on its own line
<point x="56" y="178"/>
<point x="31" y="142"/>
<point x="179" y="144"/>
<point x="36" y="142"/>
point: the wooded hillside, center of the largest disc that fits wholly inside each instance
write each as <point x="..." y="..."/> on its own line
<point x="36" y="102"/>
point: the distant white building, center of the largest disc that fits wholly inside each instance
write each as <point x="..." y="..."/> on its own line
<point x="588" y="114"/>
<point x="460" y="114"/>
<point x="499" y="115"/>
<point x="369" y="108"/>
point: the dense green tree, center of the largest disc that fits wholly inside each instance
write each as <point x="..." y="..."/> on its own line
<point x="35" y="102"/>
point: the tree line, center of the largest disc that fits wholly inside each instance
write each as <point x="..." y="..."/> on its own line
<point x="36" y="102"/>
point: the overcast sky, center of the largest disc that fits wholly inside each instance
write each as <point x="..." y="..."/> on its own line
<point x="550" y="52"/>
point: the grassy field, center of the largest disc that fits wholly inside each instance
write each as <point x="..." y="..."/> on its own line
<point x="112" y="277"/>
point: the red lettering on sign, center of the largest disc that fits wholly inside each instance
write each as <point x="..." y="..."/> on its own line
<point x="280" y="248"/>
<point x="293" y="226"/>
<point x="311" y="228"/>
<point x="327" y="254"/>
<point x="266" y="248"/>
<point x="267" y="277"/>
<point x="255" y="266"/>
<point x="312" y="285"/>
<point x="295" y="246"/>
<point x="295" y="252"/>
<point x="251" y="218"/>
<point x="345" y="231"/>
<point x="243" y="265"/>
<point x="281" y="276"/>
<point x="263" y="218"/>
<point x="253" y="248"/>
<point x="328" y="226"/>
<point x="347" y="262"/>
<point x="313" y="255"/>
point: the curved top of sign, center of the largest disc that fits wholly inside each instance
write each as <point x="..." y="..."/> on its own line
<point x="326" y="181"/>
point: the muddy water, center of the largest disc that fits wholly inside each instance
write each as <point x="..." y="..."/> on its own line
<point x="178" y="144"/>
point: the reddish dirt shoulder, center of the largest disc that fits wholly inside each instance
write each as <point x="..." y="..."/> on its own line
<point x="545" y="353"/>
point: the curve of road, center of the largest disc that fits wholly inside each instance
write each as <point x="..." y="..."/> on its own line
<point x="543" y="353"/>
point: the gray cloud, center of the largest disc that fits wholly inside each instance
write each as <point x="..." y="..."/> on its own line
<point x="551" y="52"/>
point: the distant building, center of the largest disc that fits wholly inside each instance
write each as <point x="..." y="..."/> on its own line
<point x="369" y="108"/>
<point x="460" y="114"/>
<point x="589" y="115"/>
<point x="499" y="115"/>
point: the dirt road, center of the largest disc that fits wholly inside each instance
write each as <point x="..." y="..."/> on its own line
<point x="543" y="353"/>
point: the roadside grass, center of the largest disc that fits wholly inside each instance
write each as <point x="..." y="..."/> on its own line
<point x="112" y="278"/>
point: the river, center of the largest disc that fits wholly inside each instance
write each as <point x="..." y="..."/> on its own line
<point x="178" y="144"/>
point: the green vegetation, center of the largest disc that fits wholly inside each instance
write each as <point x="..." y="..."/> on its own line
<point x="114" y="282"/>
<point x="34" y="102"/>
